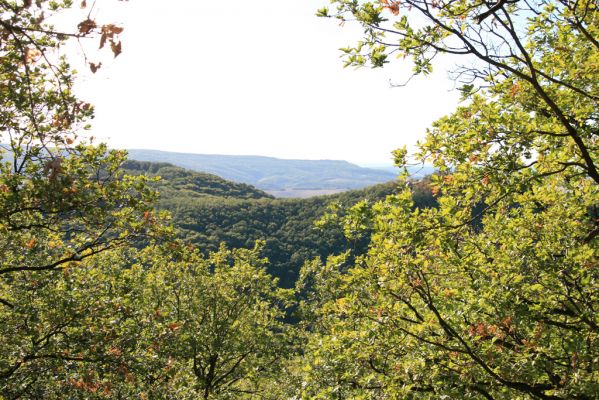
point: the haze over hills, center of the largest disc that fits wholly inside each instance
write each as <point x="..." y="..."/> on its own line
<point x="417" y="171"/>
<point x="283" y="178"/>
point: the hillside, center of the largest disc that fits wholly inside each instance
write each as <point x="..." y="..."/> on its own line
<point x="182" y="183"/>
<point x="209" y="210"/>
<point x="273" y="174"/>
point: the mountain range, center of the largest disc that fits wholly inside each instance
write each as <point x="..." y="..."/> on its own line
<point x="279" y="177"/>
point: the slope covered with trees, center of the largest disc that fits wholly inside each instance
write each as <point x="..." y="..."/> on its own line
<point x="209" y="211"/>
<point x="184" y="184"/>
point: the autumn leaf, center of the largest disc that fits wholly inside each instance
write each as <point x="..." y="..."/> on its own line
<point x="103" y="40"/>
<point x="54" y="167"/>
<point x="174" y="326"/>
<point x="391" y="5"/>
<point x="94" y="67"/>
<point x="115" y="351"/>
<point x="111" y="30"/>
<point x="515" y="89"/>
<point x="87" y="26"/>
<point x="31" y="55"/>
<point x="116" y="48"/>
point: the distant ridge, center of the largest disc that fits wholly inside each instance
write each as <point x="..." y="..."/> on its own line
<point x="180" y="183"/>
<point x="273" y="174"/>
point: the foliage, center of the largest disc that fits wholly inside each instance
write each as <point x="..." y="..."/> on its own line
<point x="441" y="307"/>
<point x="50" y="228"/>
<point x="89" y="308"/>
<point x="209" y="211"/>
<point x="73" y="332"/>
<point x="214" y="326"/>
<point x="487" y="291"/>
<point x="63" y="205"/>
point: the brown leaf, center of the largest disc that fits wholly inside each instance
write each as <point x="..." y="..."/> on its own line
<point x="54" y="167"/>
<point x="115" y="351"/>
<point x="115" y="47"/>
<point x="174" y="326"/>
<point x="103" y="39"/>
<point x="87" y="26"/>
<point x="391" y="5"/>
<point x="94" y="67"/>
<point x="112" y="29"/>
<point x="83" y="4"/>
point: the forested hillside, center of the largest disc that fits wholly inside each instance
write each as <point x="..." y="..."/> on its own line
<point x="209" y="211"/>
<point x="189" y="185"/>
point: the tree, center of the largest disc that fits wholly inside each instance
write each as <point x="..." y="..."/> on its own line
<point x="493" y="294"/>
<point x="215" y="325"/>
<point x="542" y="54"/>
<point x="63" y="203"/>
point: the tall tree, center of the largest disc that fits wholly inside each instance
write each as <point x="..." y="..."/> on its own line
<point x="62" y="203"/>
<point x="494" y="294"/>
<point x="216" y="324"/>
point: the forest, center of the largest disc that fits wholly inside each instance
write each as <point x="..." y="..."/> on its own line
<point x="208" y="211"/>
<point x="135" y="280"/>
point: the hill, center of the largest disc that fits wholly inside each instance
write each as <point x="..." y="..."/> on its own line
<point x="209" y="210"/>
<point x="182" y="183"/>
<point x="273" y="174"/>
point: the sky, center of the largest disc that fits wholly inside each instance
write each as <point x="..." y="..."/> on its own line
<point x="252" y="78"/>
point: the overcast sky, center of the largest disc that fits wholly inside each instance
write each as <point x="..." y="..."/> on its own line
<point x="253" y="78"/>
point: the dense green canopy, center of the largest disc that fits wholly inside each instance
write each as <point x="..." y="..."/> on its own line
<point x="480" y="282"/>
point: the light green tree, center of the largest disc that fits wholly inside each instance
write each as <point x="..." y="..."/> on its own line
<point x="216" y="325"/>
<point x="63" y="204"/>
<point x="493" y="294"/>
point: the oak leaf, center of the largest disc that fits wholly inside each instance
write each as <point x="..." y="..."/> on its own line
<point x="87" y="26"/>
<point x="31" y="55"/>
<point x="116" y="48"/>
<point x="94" y="67"/>
<point x="391" y="5"/>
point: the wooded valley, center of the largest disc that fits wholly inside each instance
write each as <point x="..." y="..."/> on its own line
<point x="477" y="282"/>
